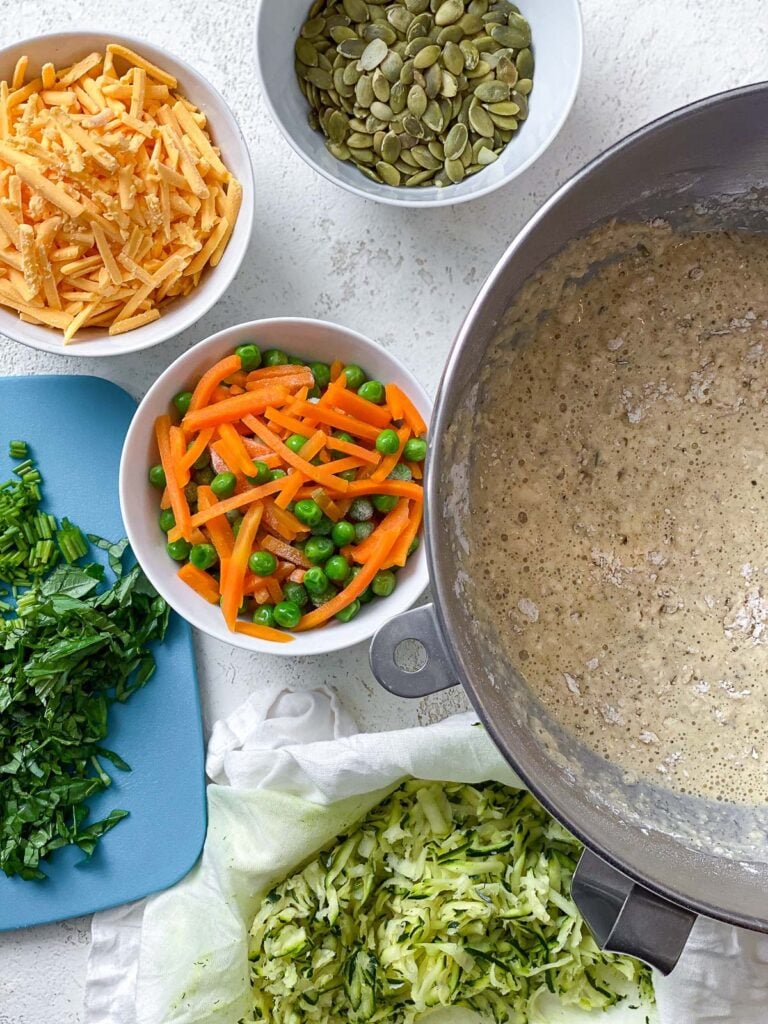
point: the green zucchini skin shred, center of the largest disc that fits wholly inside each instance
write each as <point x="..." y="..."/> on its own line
<point x="445" y="894"/>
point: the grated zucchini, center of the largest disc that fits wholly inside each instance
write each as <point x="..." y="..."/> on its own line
<point x="444" y="894"/>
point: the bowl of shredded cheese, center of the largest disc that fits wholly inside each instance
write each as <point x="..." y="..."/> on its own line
<point x="126" y="194"/>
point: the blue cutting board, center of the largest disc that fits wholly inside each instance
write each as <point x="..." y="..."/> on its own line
<point x="75" y="427"/>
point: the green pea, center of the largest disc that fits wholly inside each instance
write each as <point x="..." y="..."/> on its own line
<point x="261" y="473"/>
<point x="322" y="374"/>
<point x="157" y="477"/>
<point x="323" y="528"/>
<point x="295" y="592"/>
<point x="287" y="614"/>
<point x="348" y="613"/>
<point x="190" y="492"/>
<point x="277" y="474"/>
<point x="204" y="477"/>
<point x="413" y="546"/>
<point x="167" y="520"/>
<point x="337" y="569"/>
<point x="361" y="510"/>
<point x="363" y="531"/>
<point x="342" y="436"/>
<point x="178" y="550"/>
<point x="264" y="615"/>
<point x="295" y="442"/>
<point x="274" y="357"/>
<point x="319" y="549"/>
<point x="314" y="392"/>
<point x="202" y="461"/>
<point x="233" y="516"/>
<point x="262" y="563"/>
<point x="296" y="361"/>
<point x="182" y="400"/>
<point x="387" y="442"/>
<point x="203" y="556"/>
<point x="367" y="594"/>
<point x="384" y="502"/>
<point x="342" y="533"/>
<point x="415" y="450"/>
<point x="250" y="356"/>
<point x="315" y="580"/>
<point x="384" y="583"/>
<point x="236" y="527"/>
<point x="223" y="485"/>
<point x="349" y="474"/>
<point x="372" y="391"/>
<point x="355" y="376"/>
<point x="400" y="472"/>
<point x="308" y="512"/>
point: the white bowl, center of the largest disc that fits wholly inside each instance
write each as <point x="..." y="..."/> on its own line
<point x="557" y="46"/>
<point x="313" y="340"/>
<point x="63" y="48"/>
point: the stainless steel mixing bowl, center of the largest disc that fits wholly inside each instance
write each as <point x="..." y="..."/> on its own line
<point x="654" y="858"/>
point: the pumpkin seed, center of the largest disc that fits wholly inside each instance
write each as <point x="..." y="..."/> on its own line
<point x="416" y="45"/>
<point x="306" y="52"/>
<point x="421" y="25"/>
<point x="358" y="140"/>
<point x="382" y="111"/>
<point x="506" y="71"/>
<point x="416" y="6"/>
<point x="456" y="141"/>
<point x="448" y="12"/>
<point x="437" y="149"/>
<point x="381" y="88"/>
<point x="352" y="49"/>
<point x="480" y="121"/>
<point x="351" y="75"/>
<point x="337" y="126"/>
<point x="427" y="56"/>
<point x="391" y="147"/>
<point x="455" y="170"/>
<point x="487" y="156"/>
<point x="391" y="67"/>
<point x="313" y="27"/>
<point x="524" y="86"/>
<point x="397" y="97"/>
<point x="433" y="117"/>
<point x="320" y="78"/>
<point x="407" y="74"/>
<point x="342" y="32"/>
<point x="524" y="63"/>
<point x="470" y="54"/>
<point x="522" y="102"/>
<point x="364" y="91"/>
<point x="449" y="86"/>
<point x="507" y="35"/>
<point x="417" y="100"/>
<point x="520" y="25"/>
<point x="453" y="58"/>
<point x="340" y="151"/>
<point x="413" y="126"/>
<point x="424" y="158"/>
<point x="492" y="92"/>
<point x="433" y="80"/>
<point x="357" y="10"/>
<point x="504" y="122"/>
<point x="373" y="54"/>
<point x="449" y="34"/>
<point x="506" y="108"/>
<point x="380" y="30"/>
<point x="471" y="24"/>
<point x="420" y="178"/>
<point x="399" y="18"/>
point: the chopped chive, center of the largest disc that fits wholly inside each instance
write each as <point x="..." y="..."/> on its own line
<point x="18" y="449"/>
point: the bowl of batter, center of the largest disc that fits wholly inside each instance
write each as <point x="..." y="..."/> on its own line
<point x="596" y="529"/>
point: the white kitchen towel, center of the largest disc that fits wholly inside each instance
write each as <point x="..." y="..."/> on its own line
<point x="290" y="774"/>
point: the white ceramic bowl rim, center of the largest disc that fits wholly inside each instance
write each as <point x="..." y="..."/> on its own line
<point x="389" y="195"/>
<point x="214" y="282"/>
<point x="139" y="508"/>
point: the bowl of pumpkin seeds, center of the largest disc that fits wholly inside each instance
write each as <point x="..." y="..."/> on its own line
<point x="419" y="102"/>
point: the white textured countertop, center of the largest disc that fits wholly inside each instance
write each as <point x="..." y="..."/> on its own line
<point x="405" y="278"/>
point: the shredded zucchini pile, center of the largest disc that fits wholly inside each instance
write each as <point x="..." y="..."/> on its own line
<point x="445" y="894"/>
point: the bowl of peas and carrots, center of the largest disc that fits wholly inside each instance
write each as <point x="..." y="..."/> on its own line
<point x="272" y="486"/>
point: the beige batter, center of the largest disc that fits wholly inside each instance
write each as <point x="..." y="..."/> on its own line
<point x="620" y="503"/>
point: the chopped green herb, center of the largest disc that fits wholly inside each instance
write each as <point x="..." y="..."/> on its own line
<point x="18" y="449"/>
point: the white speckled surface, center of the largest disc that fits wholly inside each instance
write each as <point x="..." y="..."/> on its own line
<point x="317" y="251"/>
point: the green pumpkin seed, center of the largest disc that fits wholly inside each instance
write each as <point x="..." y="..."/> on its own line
<point x="448" y="12"/>
<point x="358" y="140"/>
<point x="320" y="78"/>
<point x="388" y="174"/>
<point x="506" y="108"/>
<point x="449" y="34"/>
<point x="378" y="142"/>
<point x="505" y="35"/>
<point x="313" y="27"/>
<point x="424" y="158"/>
<point x="415" y="46"/>
<point x="487" y="156"/>
<point x="337" y="126"/>
<point x="416" y="6"/>
<point x="382" y="111"/>
<point x="364" y="91"/>
<point x="380" y="30"/>
<point x="419" y="179"/>
<point x="340" y="151"/>
<point x="481" y="70"/>
<point x="492" y="92"/>
<point x="426" y="57"/>
<point x="417" y="100"/>
<point x="420" y="26"/>
<point x="433" y="80"/>
<point x="456" y="141"/>
<point x="400" y="19"/>
<point x="413" y="126"/>
<point x="449" y="86"/>
<point x="437" y="149"/>
<point x="453" y="58"/>
<point x="407" y="74"/>
<point x="373" y="54"/>
<point x="391" y="67"/>
<point x="480" y="121"/>
<point x="522" y="102"/>
<point x="471" y="24"/>
<point x="391" y="148"/>
<point x="351" y="75"/>
<point x="306" y="52"/>
<point x="409" y="160"/>
<point x="433" y="117"/>
<point x="494" y="18"/>
<point x="524" y="86"/>
<point x="454" y="169"/>
<point x="519" y="24"/>
<point x="470" y="53"/>
<point x="352" y="49"/>
<point x="341" y="33"/>
<point x="397" y="97"/>
<point x="357" y="10"/>
<point x="505" y="122"/>
<point x="506" y="71"/>
<point x="524" y="63"/>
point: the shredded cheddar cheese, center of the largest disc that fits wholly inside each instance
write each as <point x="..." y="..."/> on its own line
<point x="113" y="197"/>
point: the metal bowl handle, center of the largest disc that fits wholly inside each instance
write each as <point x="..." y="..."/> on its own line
<point x="627" y="918"/>
<point x="435" y="674"/>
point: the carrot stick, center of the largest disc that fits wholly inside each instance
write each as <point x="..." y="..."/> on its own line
<point x="386" y="534"/>
<point x="361" y="408"/>
<point x="410" y="413"/>
<point x="342" y="465"/>
<point x="328" y="505"/>
<point x="284" y="551"/>
<point x="389" y="462"/>
<point x="212" y="378"/>
<point x="178" y="447"/>
<point x="297" y="576"/>
<point x="415" y="468"/>
<point x="165" y="500"/>
<point x="336" y="367"/>
<point x="274" y="589"/>
<point x="232" y="409"/>
<point x="263" y="632"/>
<point x="393" y="401"/>
<point x="399" y="553"/>
<point x="229" y="504"/>
<point x="399" y="488"/>
<point x="317" y="473"/>
<point x="282" y="521"/>
<point x="196" y="449"/>
<point x="219" y="529"/>
<point x="292" y="483"/>
<point x="337" y="444"/>
<point x="282" y="419"/>
<point x="201" y="582"/>
<point x="283" y="571"/>
<point x="232" y="594"/>
<point x="285" y="370"/>
<point x="175" y="493"/>
<point x="292" y="381"/>
<point x="234" y="443"/>
<point x="320" y="414"/>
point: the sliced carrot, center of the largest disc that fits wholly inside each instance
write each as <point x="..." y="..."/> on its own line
<point x="320" y="414"/>
<point x="232" y="594"/>
<point x="201" y="582"/>
<point x="235" y="389"/>
<point x="409" y="412"/>
<point x="219" y="394"/>
<point x="300" y="396"/>
<point x="274" y="589"/>
<point x="398" y="488"/>
<point x="219" y="529"/>
<point x="243" y="463"/>
<point x="360" y="408"/>
<point x="238" y="379"/>
<point x="389" y="462"/>
<point x="283" y="571"/>
<point x="282" y="418"/>
<point x="211" y="379"/>
<point x="337" y="444"/>
<point x="292" y="483"/>
<point x="386" y="534"/>
<point x="263" y="632"/>
<point x="399" y="553"/>
<point x="229" y="504"/>
<point x="393" y="401"/>
<point x="297" y="576"/>
<point x="318" y="473"/>
<point x="232" y="409"/>
<point x="282" y="521"/>
<point x="343" y="465"/>
<point x="292" y="381"/>
<point x="196" y="449"/>
<point x="285" y="370"/>
<point x="175" y="492"/>
<point x="327" y="504"/>
<point x="336" y="368"/>
<point x="415" y="468"/>
<point x="165" y="500"/>
<point x="285" y="552"/>
<point x="178" y="448"/>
